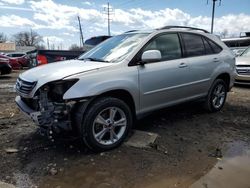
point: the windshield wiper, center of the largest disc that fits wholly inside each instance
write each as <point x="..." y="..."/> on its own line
<point x="95" y="59"/>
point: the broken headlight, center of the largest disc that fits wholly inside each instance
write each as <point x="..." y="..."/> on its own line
<point x="57" y="89"/>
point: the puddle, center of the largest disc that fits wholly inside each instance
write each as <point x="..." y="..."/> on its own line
<point x="230" y="172"/>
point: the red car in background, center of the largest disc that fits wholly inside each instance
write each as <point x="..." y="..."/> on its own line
<point x="14" y="63"/>
<point x="5" y="67"/>
<point x="22" y="58"/>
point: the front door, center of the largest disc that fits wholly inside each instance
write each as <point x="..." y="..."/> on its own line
<point x="163" y="82"/>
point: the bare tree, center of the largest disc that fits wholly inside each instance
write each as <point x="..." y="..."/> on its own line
<point x="40" y="47"/>
<point x="75" y="47"/>
<point x="27" y="38"/>
<point x="3" y="38"/>
<point x="224" y="33"/>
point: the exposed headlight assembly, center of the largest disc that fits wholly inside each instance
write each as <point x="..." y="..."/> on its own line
<point x="57" y="89"/>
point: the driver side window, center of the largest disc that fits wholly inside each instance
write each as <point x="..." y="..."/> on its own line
<point x="168" y="45"/>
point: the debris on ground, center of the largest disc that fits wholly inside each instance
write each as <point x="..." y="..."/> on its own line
<point x="53" y="171"/>
<point x="6" y="185"/>
<point x="11" y="150"/>
<point x="142" y="139"/>
<point x="217" y="153"/>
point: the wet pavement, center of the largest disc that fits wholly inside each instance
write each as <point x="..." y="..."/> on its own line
<point x="231" y="171"/>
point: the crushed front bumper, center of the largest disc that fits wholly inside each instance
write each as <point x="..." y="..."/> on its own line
<point x="41" y="118"/>
<point x="24" y="108"/>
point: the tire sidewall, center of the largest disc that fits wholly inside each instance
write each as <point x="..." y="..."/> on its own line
<point x="92" y="112"/>
<point x="210" y="95"/>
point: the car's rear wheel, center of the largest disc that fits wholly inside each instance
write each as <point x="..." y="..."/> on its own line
<point x="105" y="124"/>
<point x="216" y="96"/>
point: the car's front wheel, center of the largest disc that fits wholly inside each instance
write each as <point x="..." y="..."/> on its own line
<point x="105" y="124"/>
<point x="216" y="96"/>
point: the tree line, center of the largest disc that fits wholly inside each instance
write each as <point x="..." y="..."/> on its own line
<point x="30" y="38"/>
<point x="24" y="38"/>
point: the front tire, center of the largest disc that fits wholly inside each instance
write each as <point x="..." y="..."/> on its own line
<point x="216" y="96"/>
<point x="105" y="124"/>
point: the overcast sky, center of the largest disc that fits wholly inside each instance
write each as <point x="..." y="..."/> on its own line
<point x="57" y="20"/>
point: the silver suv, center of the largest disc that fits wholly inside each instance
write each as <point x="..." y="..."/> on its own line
<point x="101" y="93"/>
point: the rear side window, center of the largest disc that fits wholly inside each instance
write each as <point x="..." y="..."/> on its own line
<point x="208" y="48"/>
<point x="216" y="48"/>
<point x="193" y="45"/>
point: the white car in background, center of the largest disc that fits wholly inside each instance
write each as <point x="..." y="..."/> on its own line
<point x="243" y="68"/>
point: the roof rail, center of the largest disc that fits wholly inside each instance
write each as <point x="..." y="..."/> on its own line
<point x="184" y="27"/>
<point x="130" y="31"/>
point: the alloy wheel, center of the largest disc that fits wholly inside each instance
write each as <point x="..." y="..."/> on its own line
<point x="109" y="125"/>
<point x="219" y="95"/>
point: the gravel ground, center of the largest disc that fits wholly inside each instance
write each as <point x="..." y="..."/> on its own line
<point x="189" y="143"/>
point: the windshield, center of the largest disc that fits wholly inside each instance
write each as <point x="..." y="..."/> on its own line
<point x="246" y="53"/>
<point x="114" y="49"/>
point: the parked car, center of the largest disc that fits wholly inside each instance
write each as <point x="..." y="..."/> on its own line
<point x="22" y="58"/>
<point x="238" y="51"/>
<point x="5" y="67"/>
<point x="100" y="94"/>
<point x="243" y="68"/>
<point x="93" y="41"/>
<point x="49" y="56"/>
<point x="13" y="62"/>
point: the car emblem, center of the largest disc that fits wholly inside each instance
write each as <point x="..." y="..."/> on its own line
<point x="19" y="84"/>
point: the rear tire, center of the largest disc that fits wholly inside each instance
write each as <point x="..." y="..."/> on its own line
<point x="216" y="96"/>
<point x="105" y="124"/>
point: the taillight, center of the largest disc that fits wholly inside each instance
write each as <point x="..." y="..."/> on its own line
<point x="41" y="60"/>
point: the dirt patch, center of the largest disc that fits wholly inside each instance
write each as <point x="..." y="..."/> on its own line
<point x="189" y="142"/>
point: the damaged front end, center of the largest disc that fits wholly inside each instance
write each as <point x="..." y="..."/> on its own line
<point x="47" y="108"/>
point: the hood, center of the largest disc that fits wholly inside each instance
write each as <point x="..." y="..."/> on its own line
<point x="241" y="60"/>
<point x="60" y="70"/>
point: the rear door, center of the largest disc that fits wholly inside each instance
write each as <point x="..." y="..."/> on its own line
<point x="202" y="57"/>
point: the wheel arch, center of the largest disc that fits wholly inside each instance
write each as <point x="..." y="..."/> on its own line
<point x="121" y="94"/>
<point x="226" y="78"/>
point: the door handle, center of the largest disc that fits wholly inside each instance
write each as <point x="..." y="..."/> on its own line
<point x="216" y="59"/>
<point x="183" y="65"/>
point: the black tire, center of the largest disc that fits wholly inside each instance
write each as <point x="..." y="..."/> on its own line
<point x="85" y="119"/>
<point x="209" y="104"/>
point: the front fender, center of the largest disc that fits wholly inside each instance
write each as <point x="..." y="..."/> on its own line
<point x="95" y="84"/>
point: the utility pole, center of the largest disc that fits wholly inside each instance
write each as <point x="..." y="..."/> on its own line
<point x="81" y="35"/>
<point x="31" y="38"/>
<point x="213" y="11"/>
<point x="108" y="11"/>
<point x="108" y="21"/>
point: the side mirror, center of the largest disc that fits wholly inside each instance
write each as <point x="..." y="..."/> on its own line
<point x="151" y="56"/>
